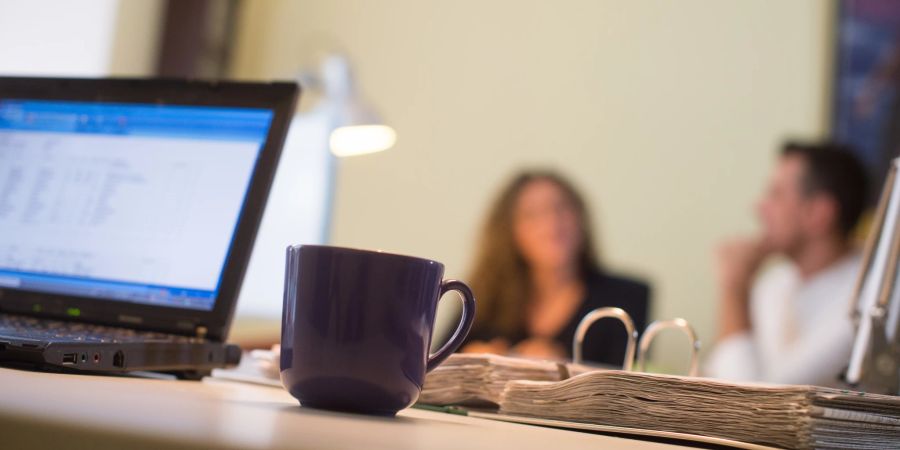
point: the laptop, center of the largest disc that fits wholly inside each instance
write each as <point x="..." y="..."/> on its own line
<point x="128" y="211"/>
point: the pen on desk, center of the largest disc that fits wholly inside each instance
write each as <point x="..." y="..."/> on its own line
<point x="444" y="409"/>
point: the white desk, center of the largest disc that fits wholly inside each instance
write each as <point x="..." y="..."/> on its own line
<point x="43" y="410"/>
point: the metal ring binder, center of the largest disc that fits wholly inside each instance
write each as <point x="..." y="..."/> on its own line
<point x="654" y="328"/>
<point x="602" y="313"/>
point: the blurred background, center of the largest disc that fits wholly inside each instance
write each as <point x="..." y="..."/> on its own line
<point x="666" y="115"/>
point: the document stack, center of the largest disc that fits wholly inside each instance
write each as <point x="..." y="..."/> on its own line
<point x="796" y="417"/>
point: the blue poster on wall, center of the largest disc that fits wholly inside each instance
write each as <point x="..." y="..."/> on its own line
<point x="867" y="84"/>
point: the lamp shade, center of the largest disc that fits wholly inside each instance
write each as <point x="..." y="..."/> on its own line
<point x="358" y="129"/>
<point x="353" y="140"/>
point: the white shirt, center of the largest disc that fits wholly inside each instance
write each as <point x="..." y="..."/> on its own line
<point x="802" y="332"/>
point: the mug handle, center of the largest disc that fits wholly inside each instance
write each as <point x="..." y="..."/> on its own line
<point x="465" y="324"/>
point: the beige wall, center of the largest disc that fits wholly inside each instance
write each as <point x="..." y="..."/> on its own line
<point x="138" y="32"/>
<point x="666" y="114"/>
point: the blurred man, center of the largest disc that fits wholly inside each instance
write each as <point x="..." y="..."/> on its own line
<point x="790" y="324"/>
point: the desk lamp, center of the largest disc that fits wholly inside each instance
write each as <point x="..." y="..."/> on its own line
<point x="357" y="128"/>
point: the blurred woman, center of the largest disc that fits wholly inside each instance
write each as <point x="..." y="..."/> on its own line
<point x="536" y="275"/>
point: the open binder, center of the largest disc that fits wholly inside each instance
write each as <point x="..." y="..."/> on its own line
<point x="680" y="408"/>
<point x="479" y="379"/>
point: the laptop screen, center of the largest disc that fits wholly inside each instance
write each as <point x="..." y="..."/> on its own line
<point x="128" y="202"/>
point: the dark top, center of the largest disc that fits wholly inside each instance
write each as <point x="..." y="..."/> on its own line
<point x="605" y="341"/>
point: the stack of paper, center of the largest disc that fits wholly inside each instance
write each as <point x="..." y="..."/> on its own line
<point x="783" y="416"/>
<point x="478" y="379"/>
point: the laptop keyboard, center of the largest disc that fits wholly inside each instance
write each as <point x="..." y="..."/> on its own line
<point x="58" y="330"/>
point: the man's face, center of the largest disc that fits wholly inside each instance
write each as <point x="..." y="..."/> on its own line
<point x="782" y="209"/>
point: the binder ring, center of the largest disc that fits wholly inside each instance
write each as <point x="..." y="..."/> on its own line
<point x="654" y="328"/>
<point x="602" y="313"/>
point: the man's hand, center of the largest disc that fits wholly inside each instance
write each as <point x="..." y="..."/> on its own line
<point x="738" y="260"/>
<point x="737" y="263"/>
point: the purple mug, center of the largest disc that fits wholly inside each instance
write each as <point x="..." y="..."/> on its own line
<point x="356" y="327"/>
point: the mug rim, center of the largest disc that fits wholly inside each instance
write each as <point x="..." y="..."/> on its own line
<point x="379" y="252"/>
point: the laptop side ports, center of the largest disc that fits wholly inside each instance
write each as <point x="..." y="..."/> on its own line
<point x="119" y="359"/>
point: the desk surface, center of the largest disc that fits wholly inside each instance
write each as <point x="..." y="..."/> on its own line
<point x="79" y="411"/>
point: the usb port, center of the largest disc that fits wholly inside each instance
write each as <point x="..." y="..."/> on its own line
<point x="70" y="358"/>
